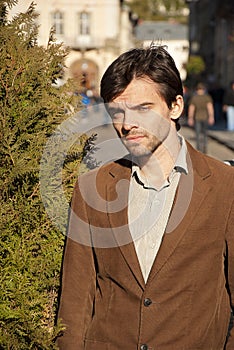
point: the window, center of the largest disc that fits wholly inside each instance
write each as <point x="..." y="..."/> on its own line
<point x="84" y="23"/>
<point x="58" y="22"/>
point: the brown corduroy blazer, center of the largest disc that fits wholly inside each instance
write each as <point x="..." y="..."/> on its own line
<point x="187" y="300"/>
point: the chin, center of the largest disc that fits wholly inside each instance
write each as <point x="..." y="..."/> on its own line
<point x="139" y="151"/>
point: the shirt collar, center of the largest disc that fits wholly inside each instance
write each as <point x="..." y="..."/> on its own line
<point x="181" y="161"/>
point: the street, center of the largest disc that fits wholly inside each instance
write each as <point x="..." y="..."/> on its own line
<point x="215" y="148"/>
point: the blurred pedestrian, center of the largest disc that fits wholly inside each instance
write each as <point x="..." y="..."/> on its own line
<point x="186" y="96"/>
<point x="200" y="115"/>
<point x="228" y="106"/>
<point x="217" y="93"/>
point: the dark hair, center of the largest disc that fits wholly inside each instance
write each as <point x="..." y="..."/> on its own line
<point x="153" y="62"/>
<point x="200" y="86"/>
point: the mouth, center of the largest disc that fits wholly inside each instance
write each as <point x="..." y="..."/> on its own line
<point x="134" y="138"/>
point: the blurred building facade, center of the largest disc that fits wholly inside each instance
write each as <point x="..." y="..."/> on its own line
<point x="211" y="36"/>
<point x="95" y="30"/>
<point x="171" y="34"/>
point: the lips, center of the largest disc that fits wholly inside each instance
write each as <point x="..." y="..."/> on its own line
<point x="134" y="138"/>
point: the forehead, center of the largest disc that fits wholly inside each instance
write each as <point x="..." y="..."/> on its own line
<point x="139" y="91"/>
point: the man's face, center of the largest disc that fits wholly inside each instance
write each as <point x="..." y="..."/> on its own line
<point x="141" y="117"/>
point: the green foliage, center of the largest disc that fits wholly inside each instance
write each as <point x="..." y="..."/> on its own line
<point x="80" y="149"/>
<point x="30" y="259"/>
<point x="195" y="65"/>
<point x="30" y="104"/>
<point x="159" y="10"/>
<point x="31" y="108"/>
<point x="195" y="68"/>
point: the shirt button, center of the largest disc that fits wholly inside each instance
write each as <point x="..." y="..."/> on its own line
<point x="144" y="347"/>
<point x="147" y="302"/>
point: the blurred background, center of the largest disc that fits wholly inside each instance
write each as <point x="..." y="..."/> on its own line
<point x="199" y="35"/>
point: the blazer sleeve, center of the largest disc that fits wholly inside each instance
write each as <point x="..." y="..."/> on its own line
<point x="78" y="279"/>
<point x="230" y="269"/>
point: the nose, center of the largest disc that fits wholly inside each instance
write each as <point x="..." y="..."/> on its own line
<point x="130" y="120"/>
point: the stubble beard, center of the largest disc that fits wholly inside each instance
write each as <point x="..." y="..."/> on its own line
<point x="144" y="149"/>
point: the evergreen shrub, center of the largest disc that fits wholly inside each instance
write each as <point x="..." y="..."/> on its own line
<point x="31" y="108"/>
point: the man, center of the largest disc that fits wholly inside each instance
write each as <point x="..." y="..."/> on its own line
<point x="228" y="106"/>
<point x="149" y="258"/>
<point x="201" y="113"/>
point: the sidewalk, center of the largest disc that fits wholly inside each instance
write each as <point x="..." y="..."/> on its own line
<point x="223" y="136"/>
<point x="219" y="133"/>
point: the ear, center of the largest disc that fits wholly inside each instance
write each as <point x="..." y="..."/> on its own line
<point x="177" y="107"/>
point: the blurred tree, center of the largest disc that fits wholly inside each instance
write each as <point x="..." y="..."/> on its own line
<point x="194" y="67"/>
<point x="153" y="10"/>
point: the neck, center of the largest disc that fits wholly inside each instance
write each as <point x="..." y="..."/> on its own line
<point x="158" y="166"/>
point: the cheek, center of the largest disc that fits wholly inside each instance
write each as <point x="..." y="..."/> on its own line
<point x="158" y="129"/>
<point x="150" y="127"/>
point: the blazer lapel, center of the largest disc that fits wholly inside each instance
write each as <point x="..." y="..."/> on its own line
<point x="191" y="192"/>
<point x="117" y="209"/>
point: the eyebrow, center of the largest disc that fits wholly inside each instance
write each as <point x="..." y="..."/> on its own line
<point x="116" y="106"/>
<point x="143" y="104"/>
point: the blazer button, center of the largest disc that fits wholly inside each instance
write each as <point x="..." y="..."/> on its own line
<point x="144" y="347"/>
<point x="147" y="302"/>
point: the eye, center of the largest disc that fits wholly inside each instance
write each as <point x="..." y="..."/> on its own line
<point x="142" y="108"/>
<point x="116" y="113"/>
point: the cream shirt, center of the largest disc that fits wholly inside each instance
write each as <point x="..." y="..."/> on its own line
<point x="149" y="209"/>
